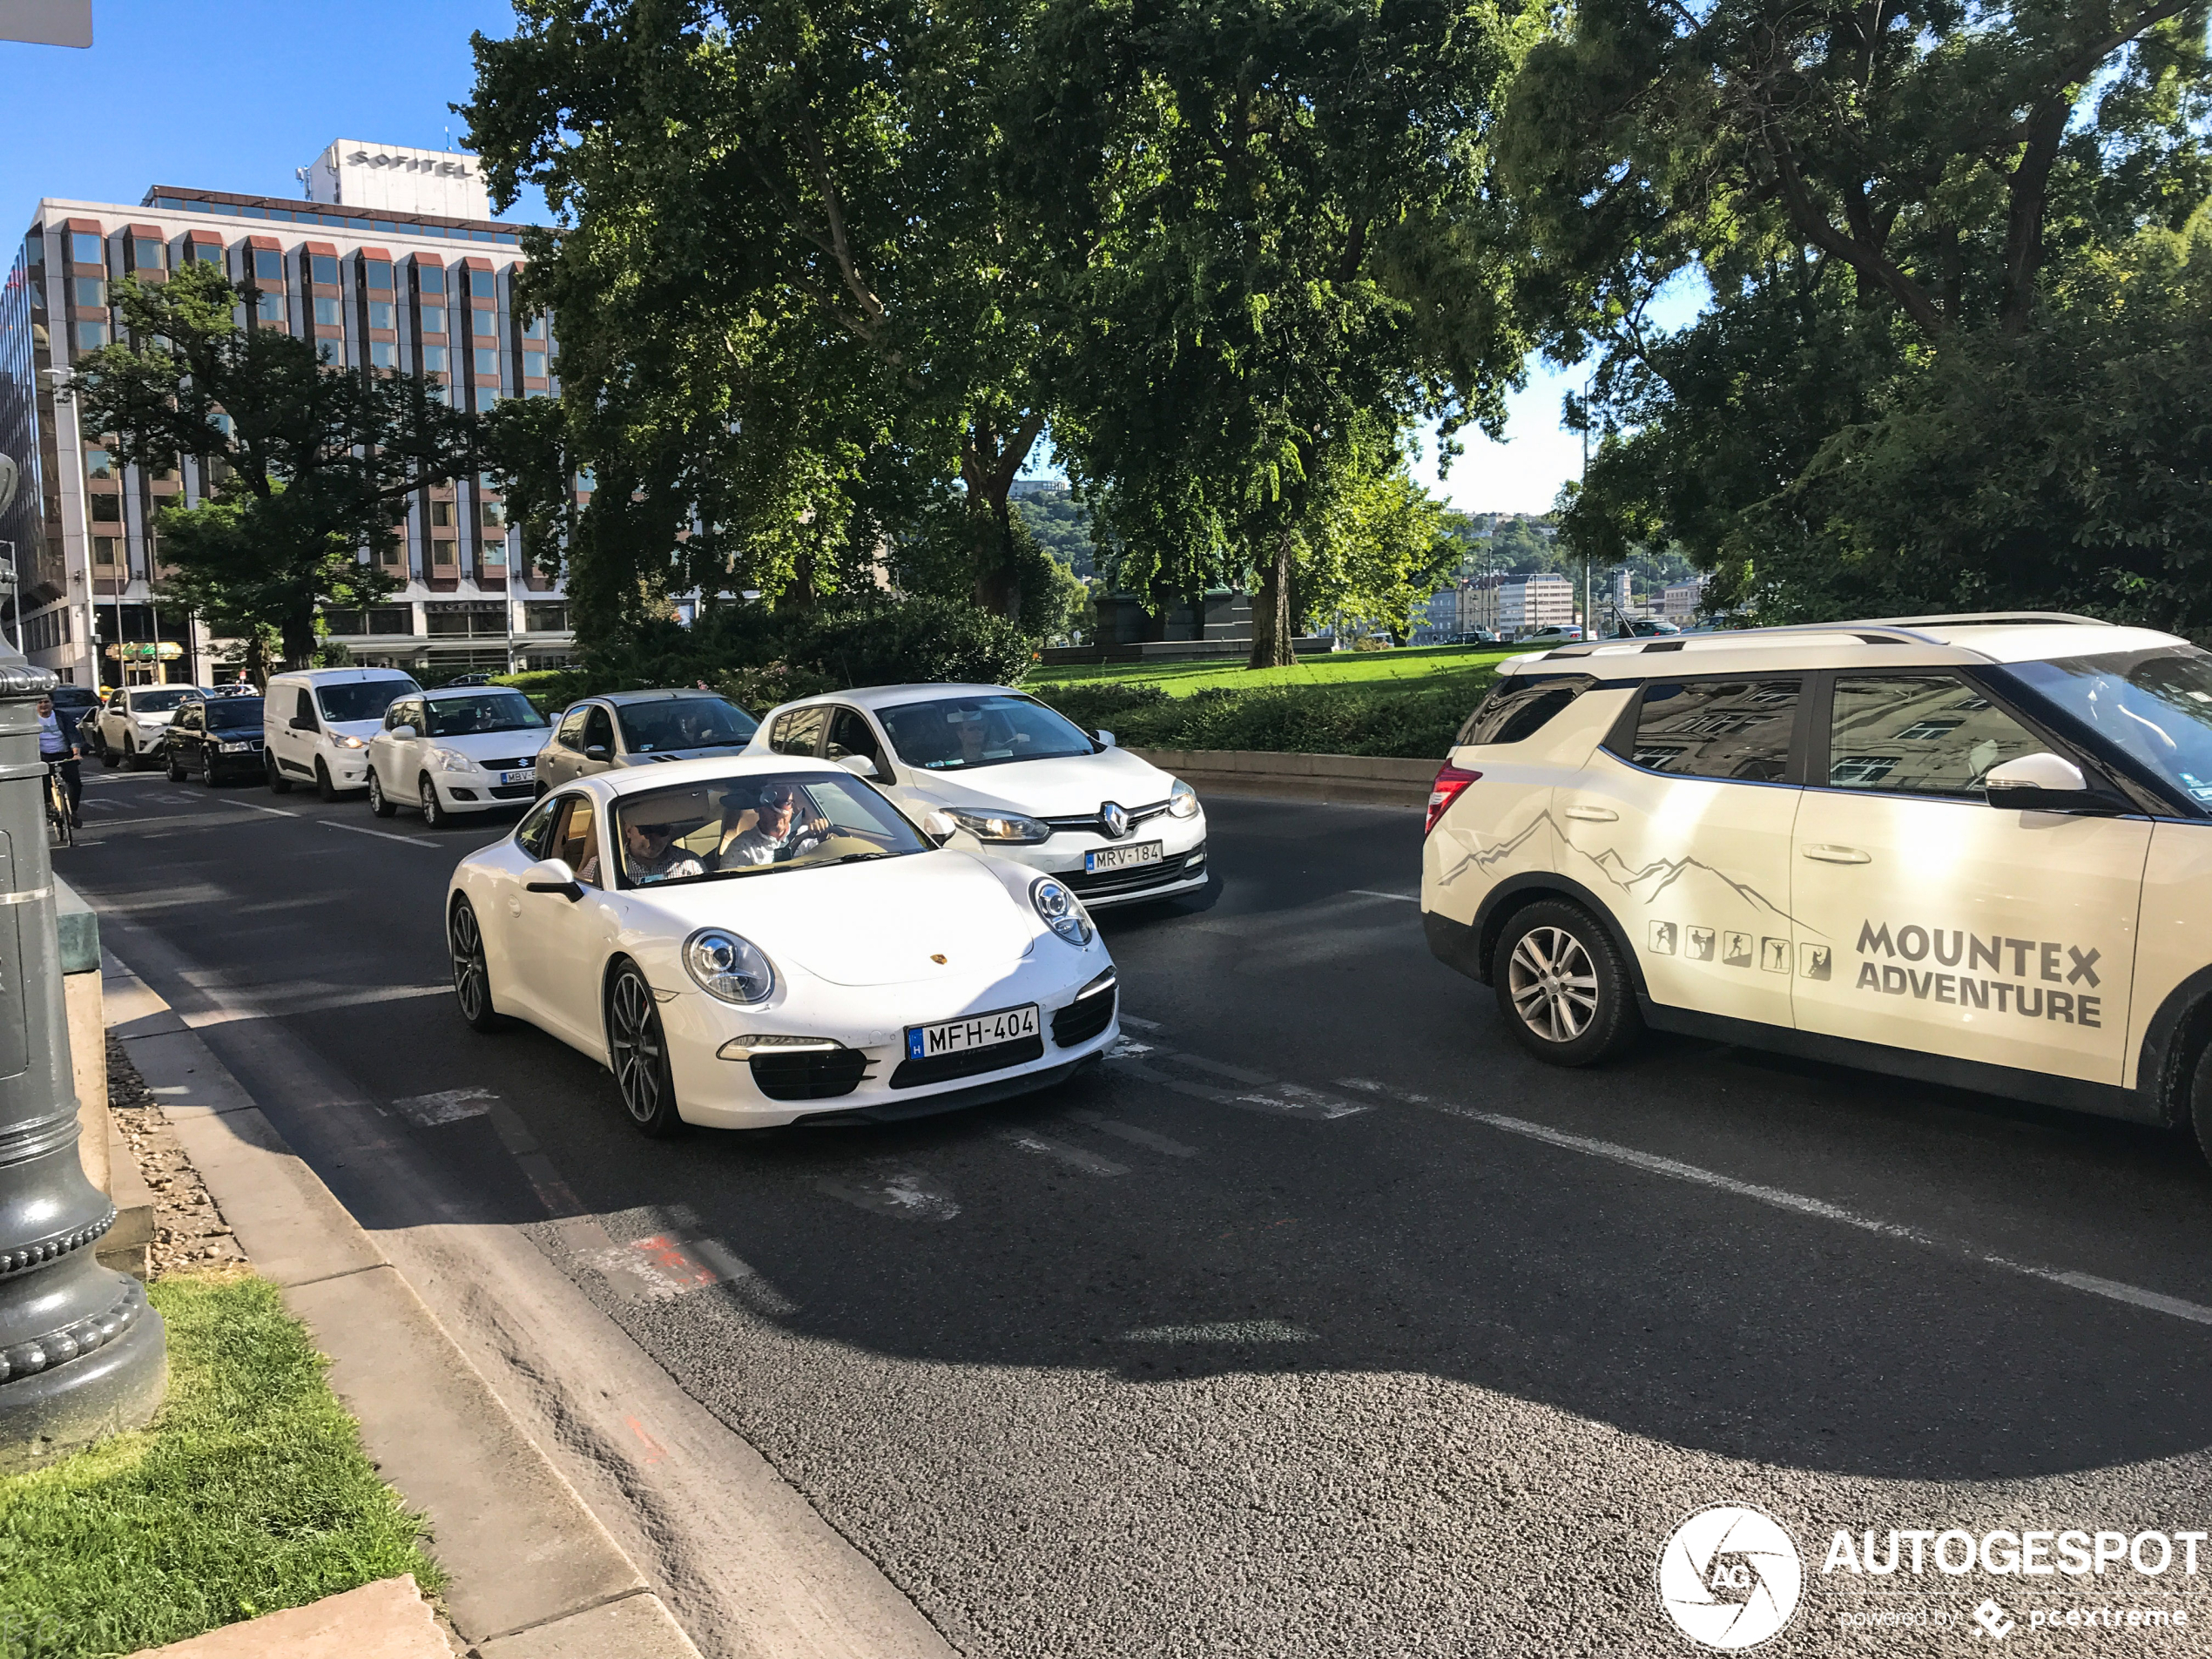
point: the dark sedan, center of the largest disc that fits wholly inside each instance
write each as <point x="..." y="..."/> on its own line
<point x="215" y="738"/>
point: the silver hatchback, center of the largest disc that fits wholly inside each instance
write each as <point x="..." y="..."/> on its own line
<point x="640" y="729"/>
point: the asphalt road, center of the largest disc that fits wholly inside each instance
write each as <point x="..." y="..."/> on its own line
<point x="1320" y="1321"/>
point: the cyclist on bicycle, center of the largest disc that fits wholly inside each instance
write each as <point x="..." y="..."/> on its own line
<point x="57" y="747"/>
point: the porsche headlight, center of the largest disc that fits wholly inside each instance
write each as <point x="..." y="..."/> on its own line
<point x="1182" y="800"/>
<point x="729" y="967"/>
<point x="1062" y="912"/>
<point x="1000" y="827"/>
<point x="451" y="760"/>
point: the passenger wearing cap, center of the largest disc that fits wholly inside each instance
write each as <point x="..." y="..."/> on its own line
<point x="767" y="834"/>
<point x="649" y="849"/>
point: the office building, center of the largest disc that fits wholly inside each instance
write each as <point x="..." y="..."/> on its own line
<point x="378" y="276"/>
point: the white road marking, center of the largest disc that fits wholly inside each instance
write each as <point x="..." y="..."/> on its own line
<point x="1122" y="1049"/>
<point x="247" y="806"/>
<point x="449" y="1106"/>
<point x="1236" y="1332"/>
<point x="1820" y="1209"/>
<point x="235" y="1003"/>
<point x="1142" y="1025"/>
<point x="908" y="1195"/>
<point x="1369" y="892"/>
<point x="1074" y="1157"/>
<point x="382" y="835"/>
<point x="1133" y="1135"/>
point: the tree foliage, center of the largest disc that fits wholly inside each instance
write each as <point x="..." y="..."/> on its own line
<point x="315" y="461"/>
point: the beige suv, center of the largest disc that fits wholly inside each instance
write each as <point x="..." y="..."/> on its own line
<point x="1971" y="849"/>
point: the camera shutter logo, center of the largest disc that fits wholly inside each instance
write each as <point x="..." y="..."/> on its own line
<point x="1729" y="1577"/>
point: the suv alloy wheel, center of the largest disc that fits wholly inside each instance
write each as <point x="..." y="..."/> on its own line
<point x="1562" y="986"/>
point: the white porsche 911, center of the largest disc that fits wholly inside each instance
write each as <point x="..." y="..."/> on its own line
<point x="747" y="942"/>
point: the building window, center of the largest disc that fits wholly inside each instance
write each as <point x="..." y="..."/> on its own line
<point x="534" y="328"/>
<point x="434" y="320"/>
<point x="379" y="314"/>
<point x="90" y="336"/>
<point x="327" y="313"/>
<point x="268" y="265"/>
<point x="534" y="365"/>
<point x="382" y="353"/>
<point x="323" y="267"/>
<point x="205" y="253"/>
<point x="87" y="249"/>
<point x="107" y="510"/>
<point x="430" y="279"/>
<point x="97" y="464"/>
<point x="486" y="324"/>
<point x="545" y="618"/>
<point x="442" y="557"/>
<point x="376" y="273"/>
<point x="393" y="553"/>
<point x="495" y="515"/>
<point x="331" y="351"/>
<point x="481" y="285"/>
<point x="341" y="622"/>
<point x="107" y="551"/>
<point x="90" y="293"/>
<point x="147" y="254"/>
<point x="487" y="364"/>
<point x="495" y="556"/>
<point x="392" y="620"/>
<point x="270" y="309"/>
<point x="434" y="359"/>
<point x="441" y="514"/>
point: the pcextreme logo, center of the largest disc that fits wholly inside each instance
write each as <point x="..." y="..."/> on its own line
<point x="1729" y="1577"/>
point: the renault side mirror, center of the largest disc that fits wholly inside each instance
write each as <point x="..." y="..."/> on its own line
<point x="2041" y="783"/>
<point x="859" y="766"/>
<point x="553" y="875"/>
<point x="1106" y="740"/>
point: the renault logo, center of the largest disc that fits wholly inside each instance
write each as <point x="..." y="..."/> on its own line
<point x="1114" y="816"/>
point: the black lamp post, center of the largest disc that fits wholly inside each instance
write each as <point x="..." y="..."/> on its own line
<point x="82" y="1354"/>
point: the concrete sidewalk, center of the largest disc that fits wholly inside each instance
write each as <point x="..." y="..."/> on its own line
<point x="534" y="1574"/>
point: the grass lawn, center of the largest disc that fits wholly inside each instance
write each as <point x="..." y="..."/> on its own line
<point x="249" y="1493"/>
<point x="1403" y="670"/>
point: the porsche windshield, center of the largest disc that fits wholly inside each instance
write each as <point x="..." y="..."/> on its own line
<point x="2155" y="705"/>
<point x="755" y="824"/>
<point x="961" y="733"/>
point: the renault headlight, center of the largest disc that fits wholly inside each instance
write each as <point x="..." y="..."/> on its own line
<point x="451" y="760"/>
<point x="729" y="967"/>
<point x="1062" y="912"/>
<point x="1182" y="800"/>
<point x="1000" y="827"/>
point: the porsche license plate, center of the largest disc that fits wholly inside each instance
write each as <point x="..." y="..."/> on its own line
<point x="976" y="1031"/>
<point x="1122" y="858"/>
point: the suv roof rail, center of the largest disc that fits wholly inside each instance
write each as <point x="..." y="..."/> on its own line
<point x="1994" y="618"/>
<point x="1868" y="633"/>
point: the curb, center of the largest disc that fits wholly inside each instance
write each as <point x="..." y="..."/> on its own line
<point x="534" y="1575"/>
<point x="1367" y="780"/>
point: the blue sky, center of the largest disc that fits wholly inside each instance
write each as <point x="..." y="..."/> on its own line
<point x="237" y="95"/>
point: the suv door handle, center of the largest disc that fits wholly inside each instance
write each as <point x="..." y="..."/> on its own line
<point x="1593" y="814"/>
<point x="1837" y="855"/>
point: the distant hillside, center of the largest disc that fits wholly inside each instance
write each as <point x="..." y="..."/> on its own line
<point x="1056" y="520"/>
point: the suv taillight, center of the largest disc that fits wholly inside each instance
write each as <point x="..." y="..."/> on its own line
<point x="1450" y="780"/>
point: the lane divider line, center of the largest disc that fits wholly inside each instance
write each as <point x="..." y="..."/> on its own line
<point x="1074" y="1157"/>
<point x="252" y="806"/>
<point x="1369" y="892"/>
<point x="382" y="835"/>
<point x="1133" y="1135"/>
<point x="1796" y="1203"/>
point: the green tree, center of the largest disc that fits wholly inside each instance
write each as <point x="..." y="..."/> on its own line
<point x="1253" y="203"/>
<point x="313" y="461"/>
<point x="1378" y="547"/>
<point x="792" y="305"/>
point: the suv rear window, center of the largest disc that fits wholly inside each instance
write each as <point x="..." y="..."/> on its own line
<point x="1519" y="707"/>
<point x="1737" y="728"/>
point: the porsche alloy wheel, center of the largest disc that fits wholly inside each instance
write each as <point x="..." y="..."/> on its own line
<point x="639" y="1052"/>
<point x="471" y="973"/>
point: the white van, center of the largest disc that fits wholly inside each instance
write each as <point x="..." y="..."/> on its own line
<point x="317" y="723"/>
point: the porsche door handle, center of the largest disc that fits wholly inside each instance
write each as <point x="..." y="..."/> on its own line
<point x="1593" y="814"/>
<point x="1837" y="855"/>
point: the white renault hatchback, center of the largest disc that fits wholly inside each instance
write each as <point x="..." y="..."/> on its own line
<point x="457" y="751"/>
<point x="1976" y="850"/>
<point x="1014" y="774"/>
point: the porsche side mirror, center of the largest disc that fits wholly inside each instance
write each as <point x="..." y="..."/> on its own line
<point x="553" y="875"/>
<point x="2041" y="783"/>
<point x="596" y="752"/>
<point x="1106" y="740"/>
<point x="939" y="827"/>
<point x="859" y="766"/>
<point x="403" y="733"/>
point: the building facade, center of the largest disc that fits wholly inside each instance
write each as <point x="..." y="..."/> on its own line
<point x="1527" y="603"/>
<point x="375" y="287"/>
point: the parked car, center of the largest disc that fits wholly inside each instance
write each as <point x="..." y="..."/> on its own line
<point x="1644" y="628"/>
<point x="1973" y="850"/>
<point x="136" y="720"/>
<point x="859" y="970"/>
<point x="1017" y="776"/>
<point x="1475" y="637"/>
<point x="1552" y="634"/>
<point x="641" y="729"/>
<point x="214" y="736"/>
<point x="317" y="723"/>
<point x="456" y="750"/>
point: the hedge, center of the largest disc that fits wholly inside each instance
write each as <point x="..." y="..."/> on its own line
<point x="1347" y="720"/>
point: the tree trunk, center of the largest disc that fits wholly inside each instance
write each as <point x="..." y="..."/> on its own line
<point x="990" y="538"/>
<point x="1272" y="629"/>
<point x="299" y="639"/>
